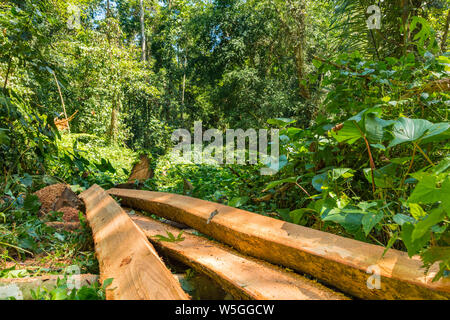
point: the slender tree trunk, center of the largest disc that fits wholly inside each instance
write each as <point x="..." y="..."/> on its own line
<point x="444" y="37"/>
<point x="144" y="44"/>
<point x="108" y="9"/>
<point x="112" y="132"/>
<point x="7" y="73"/>
<point x="184" y="89"/>
<point x="405" y="21"/>
<point x="113" y="125"/>
<point x="300" y="64"/>
<point x="299" y="15"/>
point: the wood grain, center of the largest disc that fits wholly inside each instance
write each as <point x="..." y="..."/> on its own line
<point x="125" y="255"/>
<point x="242" y="277"/>
<point x="340" y="262"/>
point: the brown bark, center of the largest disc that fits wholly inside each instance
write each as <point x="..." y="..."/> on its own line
<point x="296" y="13"/>
<point x="7" y="73"/>
<point x="142" y="20"/>
<point x="112" y="132"/>
<point x="183" y="89"/>
<point x="300" y="63"/>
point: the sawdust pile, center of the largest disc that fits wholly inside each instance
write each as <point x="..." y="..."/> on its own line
<point x="60" y="198"/>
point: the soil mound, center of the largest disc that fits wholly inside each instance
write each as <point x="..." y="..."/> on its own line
<point x="60" y="198"/>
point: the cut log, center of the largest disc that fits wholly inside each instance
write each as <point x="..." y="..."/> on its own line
<point x="341" y="262"/>
<point x="141" y="171"/>
<point x="125" y="255"/>
<point x="243" y="277"/>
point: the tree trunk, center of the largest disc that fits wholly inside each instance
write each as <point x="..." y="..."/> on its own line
<point x="184" y="90"/>
<point x="405" y="22"/>
<point x="299" y="16"/>
<point x="112" y="132"/>
<point x="144" y="44"/>
<point x="300" y="64"/>
<point x="7" y="73"/>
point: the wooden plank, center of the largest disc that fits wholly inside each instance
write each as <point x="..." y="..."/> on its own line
<point x="125" y="255"/>
<point x="341" y="262"/>
<point x="242" y="277"/>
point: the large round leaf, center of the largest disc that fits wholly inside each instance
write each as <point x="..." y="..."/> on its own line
<point x="417" y="130"/>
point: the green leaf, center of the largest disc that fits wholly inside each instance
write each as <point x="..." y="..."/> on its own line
<point x="320" y="181"/>
<point x="442" y="166"/>
<point x="438" y="132"/>
<point x="364" y="124"/>
<point x="285" y="214"/>
<point x="59" y="236"/>
<point x="59" y="294"/>
<point x="416" y="211"/>
<point x="238" y="201"/>
<point x="365" y="206"/>
<point x="87" y="293"/>
<point x="27" y="243"/>
<point x="274" y="184"/>
<point x="317" y="63"/>
<point x="384" y="177"/>
<point x="378" y="146"/>
<point x="4" y="138"/>
<point x="341" y="172"/>
<point x="297" y="215"/>
<point x="293" y="133"/>
<point x="401" y="161"/>
<point x="413" y="246"/>
<point x="76" y="188"/>
<point x="436" y="254"/>
<point x="107" y="283"/>
<point x="445" y="195"/>
<point x="348" y="134"/>
<point x="281" y="122"/>
<point x="414" y="130"/>
<point x="424" y="226"/>
<point x="350" y="219"/>
<point x="27" y="180"/>
<point x="390" y="243"/>
<point x="426" y="191"/>
<point x="401" y="219"/>
<point x="375" y="128"/>
<point x="170" y="237"/>
<point x="32" y="203"/>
